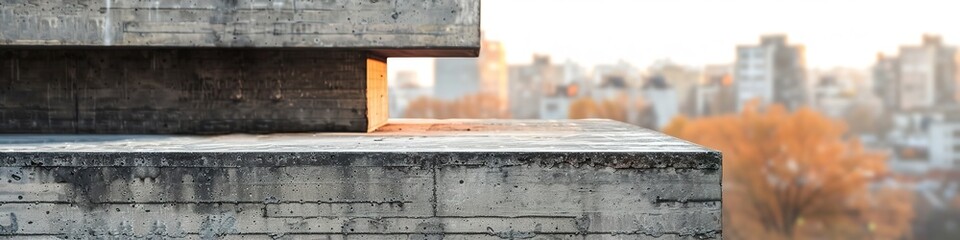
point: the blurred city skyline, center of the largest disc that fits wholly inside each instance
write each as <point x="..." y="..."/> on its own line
<point x="800" y="96"/>
<point x="701" y="32"/>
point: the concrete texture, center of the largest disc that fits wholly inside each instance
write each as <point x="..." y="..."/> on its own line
<point x="391" y="28"/>
<point x="211" y="67"/>
<point x="191" y="91"/>
<point x="411" y="179"/>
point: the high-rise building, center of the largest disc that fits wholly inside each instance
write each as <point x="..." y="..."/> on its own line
<point x="557" y="106"/>
<point x="618" y="83"/>
<point x="925" y="75"/>
<point x="886" y="80"/>
<point x="663" y="98"/>
<point x="487" y="74"/>
<point x="537" y="89"/>
<point x="830" y="96"/>
<point x="715" y="94"/>
<point x="682" y="79"/>
<point x="492" y="65"/>
<point x="944" y="142"/>
<point x="528" y="84"/>
<point x="772" y="72"/>
<point x="619" y="75"/>
<point x="455" y="78"/>
<point x="836" y="91"/>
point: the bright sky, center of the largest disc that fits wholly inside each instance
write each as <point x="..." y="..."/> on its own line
<point x="696" y="32"/>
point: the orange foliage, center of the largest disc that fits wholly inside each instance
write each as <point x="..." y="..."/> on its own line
<point x="470" y="106"/>
<point x="588" y="108"/>
<point x="793" y="176"/>
<point x="584" y="108"/>
<point x="422" y="107"/>
<point x="956" y="202"/>
<point x="614" y="110"/>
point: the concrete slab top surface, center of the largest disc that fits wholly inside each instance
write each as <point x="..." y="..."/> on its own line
<point x="400" y="135"/>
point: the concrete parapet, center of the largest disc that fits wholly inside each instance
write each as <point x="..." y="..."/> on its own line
<point x="425" y="179"/>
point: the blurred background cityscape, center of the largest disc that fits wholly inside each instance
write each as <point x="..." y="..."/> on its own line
<point x="836" y="119"/>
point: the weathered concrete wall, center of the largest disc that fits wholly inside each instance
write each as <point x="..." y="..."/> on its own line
<point x="188" y="90"/>
<point x="393" y="28"/>
<point x="437" y="180"/>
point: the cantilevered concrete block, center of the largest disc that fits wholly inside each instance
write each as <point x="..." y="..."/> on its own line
<point x="131" y="66"/>
<point x="390" y="28"/>
<point x="586" y="179"/>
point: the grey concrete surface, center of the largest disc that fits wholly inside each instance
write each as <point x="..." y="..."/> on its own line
<point x="392" y="28"/>
<point x="217" y="66"/>
<point x="412" y="179"/>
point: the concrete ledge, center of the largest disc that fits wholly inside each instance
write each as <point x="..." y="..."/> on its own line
<point x="392" y="28"/>
<point x="473" y="179"/>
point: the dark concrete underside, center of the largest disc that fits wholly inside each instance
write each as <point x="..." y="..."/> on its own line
<point x="412" y="179"/>
<point x="128" y="90"/>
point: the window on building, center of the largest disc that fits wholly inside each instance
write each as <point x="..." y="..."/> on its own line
<point x="552" y="107"/>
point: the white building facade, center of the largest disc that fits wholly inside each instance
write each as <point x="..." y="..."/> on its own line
<point x="771" y="72"/>
<point x="944" y="143"/>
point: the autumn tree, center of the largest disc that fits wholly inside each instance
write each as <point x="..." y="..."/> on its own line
<point x="794" y="176"/>
<point x="469" y="106"/>
<point x="422" y="107"/>
<point x="588" y="108"/>
<point x="584" y="108"/>
<point x="615" y="110"/>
